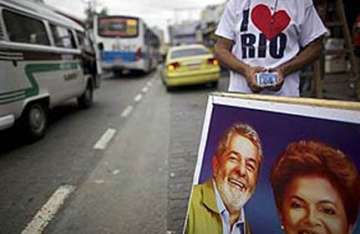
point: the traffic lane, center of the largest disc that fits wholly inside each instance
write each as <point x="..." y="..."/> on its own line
<point x="31" y="173"/>
<point x="126" y="193"/>
<point x="115" y="92"/>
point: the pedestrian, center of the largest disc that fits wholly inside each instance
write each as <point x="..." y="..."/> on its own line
<point x="217" y="205"/>
<point x="268" y="37"/>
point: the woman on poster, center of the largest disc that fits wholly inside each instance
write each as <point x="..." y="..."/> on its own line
<point x="316" y="189"/>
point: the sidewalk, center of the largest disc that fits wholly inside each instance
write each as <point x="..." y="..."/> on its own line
<point x="335" y="86"/>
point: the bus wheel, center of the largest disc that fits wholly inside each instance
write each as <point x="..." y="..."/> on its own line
<point x="34" y="120"/>
<point x="87" y="98"/>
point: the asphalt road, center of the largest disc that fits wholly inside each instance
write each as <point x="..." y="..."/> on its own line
<point x="122" y="188"/>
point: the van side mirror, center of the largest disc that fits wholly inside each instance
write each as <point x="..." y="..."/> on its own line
<point x="101" y="46"/>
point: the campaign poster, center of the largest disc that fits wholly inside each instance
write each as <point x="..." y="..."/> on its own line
<point x="307" y="180"/>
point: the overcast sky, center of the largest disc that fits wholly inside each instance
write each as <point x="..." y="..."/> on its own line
<point x="154" y="12"/>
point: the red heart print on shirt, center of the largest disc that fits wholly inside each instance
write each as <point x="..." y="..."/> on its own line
<point x="270" y="25"/>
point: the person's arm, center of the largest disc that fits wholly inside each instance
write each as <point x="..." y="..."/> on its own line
<point x="307" y="56"/>
<point x="223" y="53"/>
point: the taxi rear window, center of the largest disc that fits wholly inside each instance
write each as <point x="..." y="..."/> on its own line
<point x="188" y="52"/>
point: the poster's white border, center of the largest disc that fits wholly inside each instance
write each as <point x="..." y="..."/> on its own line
<point x="200" y="155"/>
<point x="327" y="113"/>
<point x="203" y="140"/>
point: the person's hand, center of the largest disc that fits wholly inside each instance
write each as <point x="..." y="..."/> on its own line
<point x="280" y="79"/>
<point x="250" y="76"/>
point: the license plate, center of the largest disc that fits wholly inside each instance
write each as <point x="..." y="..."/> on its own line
<point x="118" y="61"/>
<point x="193" y="66"/>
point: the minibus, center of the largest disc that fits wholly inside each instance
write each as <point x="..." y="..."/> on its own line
<point x="45" y="59"/>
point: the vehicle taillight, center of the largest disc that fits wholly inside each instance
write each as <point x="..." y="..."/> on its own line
<point x="138" y="54"/>
<point x="173" y="66"/>
<point x="213" y="61"/>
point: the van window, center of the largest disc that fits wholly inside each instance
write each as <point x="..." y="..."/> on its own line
<point x="84" y="42"/>
<point x="1" y="32"/>
<point x="80" y="36"/>
<point x="24" y="29"/>
<point x="62" y="37"/>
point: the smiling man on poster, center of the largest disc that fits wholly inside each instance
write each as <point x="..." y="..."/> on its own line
<point x="259" y="37"/>
<point x="217" y="206"/>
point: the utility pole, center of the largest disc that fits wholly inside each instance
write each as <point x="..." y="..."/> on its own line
<point x="91" y="4"/>
<point x="90" y="10"/>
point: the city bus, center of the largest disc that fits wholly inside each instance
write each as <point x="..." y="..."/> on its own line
<point x="126" y="43"/>
<point x="45" y="59"/>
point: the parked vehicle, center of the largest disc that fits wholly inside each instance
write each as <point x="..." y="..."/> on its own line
<point x="189" y="65"/>
<point x="42" y="64"/>
<point x="127" y="43"/>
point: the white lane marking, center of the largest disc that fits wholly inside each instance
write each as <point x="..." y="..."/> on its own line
<point x="145" y="89"/>
<point x="138" y="98"/>
<point x="105" y="139"/>
<point x="116" y="172"/>
<point x="127" y="111"/>
<point x="48" y="211"/>
<point x="99" y="181"/>
<point x="149" y="83"/>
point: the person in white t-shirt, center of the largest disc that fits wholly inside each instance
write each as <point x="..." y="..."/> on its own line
<point x="280" y="36"/>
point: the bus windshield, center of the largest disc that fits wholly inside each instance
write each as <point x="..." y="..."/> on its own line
<point x="118" y="27"/>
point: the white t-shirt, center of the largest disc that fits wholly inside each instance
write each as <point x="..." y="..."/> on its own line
<point x="269" y="33"/>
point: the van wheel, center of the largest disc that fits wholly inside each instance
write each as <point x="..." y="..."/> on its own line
<point x="34" y="121"/>
<point x="86" y="100"/>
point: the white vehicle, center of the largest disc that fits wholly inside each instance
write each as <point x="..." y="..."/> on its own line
<point x="44" y="60"/>
<point x="126" y="43"/>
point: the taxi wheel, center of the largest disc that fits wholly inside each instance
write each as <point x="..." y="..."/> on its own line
<point x="169" y="89"/>
<point x="214" y="84"/>
<point x="86" y="100"/>
<point x="34" y="121"/>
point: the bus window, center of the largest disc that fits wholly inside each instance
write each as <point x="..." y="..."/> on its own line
<point x="84" y="42"/>
<point x="24" y="29"/>
<point x="62" y="37"/>
<point x="118" y="27"/>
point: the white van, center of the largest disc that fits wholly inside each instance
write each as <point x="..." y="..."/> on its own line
<point x="42" y="63"/>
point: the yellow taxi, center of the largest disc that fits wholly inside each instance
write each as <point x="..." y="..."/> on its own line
<point x="190" y="65"/>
